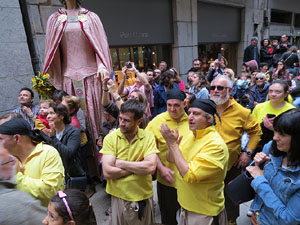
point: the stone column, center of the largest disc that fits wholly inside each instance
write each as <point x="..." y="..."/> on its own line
<point x="185" y="47"/>
<point x="15" y="61"/>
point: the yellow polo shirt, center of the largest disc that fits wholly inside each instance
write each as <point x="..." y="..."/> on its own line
<point x="261" y="110"/>
<point x="43" y="173"/>
<point x="201" y="189"/>
<point x="134" y="187"/>
<point x="235" y="121"/>
<point x="154" y="127"/>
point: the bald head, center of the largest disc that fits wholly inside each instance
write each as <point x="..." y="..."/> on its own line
<point x="223" y="79"/>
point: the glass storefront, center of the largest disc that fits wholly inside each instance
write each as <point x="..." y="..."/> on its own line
<point x="144" y="57"/>
<point x="209" y="52"/>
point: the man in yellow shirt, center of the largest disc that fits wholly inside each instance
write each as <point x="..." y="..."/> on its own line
<point x="41" y="172"/>
<point x="235" y="121"/>
<point x="201" y="160"/>
<point x="129" y="160"/>
<point x="175" y="116"/>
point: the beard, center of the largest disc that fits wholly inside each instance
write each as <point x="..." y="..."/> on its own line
<point x="220" y="101"/>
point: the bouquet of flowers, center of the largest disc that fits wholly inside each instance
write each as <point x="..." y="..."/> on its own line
<point x="42" y="85"/>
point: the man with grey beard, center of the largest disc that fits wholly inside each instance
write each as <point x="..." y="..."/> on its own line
<point x="235" y="121"/>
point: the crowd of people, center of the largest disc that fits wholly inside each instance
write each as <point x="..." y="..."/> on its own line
<point x="192" y="137"/>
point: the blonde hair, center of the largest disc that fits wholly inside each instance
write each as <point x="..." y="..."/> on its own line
<point x="230" y="71"/>
<point x="142" y="99"/>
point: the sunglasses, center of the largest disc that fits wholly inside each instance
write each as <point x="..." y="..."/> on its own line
<point x="219" y="88"/>
<point x="259" y="78"/>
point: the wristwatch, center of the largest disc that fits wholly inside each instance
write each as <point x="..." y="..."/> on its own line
<point x="247" y="152"/>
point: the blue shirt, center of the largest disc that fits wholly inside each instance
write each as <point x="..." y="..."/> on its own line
<point x="277" y="193"/>
<point x="202" y="93"/>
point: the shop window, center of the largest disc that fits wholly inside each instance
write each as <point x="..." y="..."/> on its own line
<point x="209" y="52"/>
<point x="144" y="57"/>
<point x="283" y="17"/>
<point x="297" y="20"/>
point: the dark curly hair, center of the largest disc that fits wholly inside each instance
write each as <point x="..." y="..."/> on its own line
<point x="80" y="206"/>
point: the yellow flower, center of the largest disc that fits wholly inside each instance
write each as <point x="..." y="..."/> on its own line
<point x="33" y="80"/>
<point x="47" y="75"/>
<point x="41" y="82"/>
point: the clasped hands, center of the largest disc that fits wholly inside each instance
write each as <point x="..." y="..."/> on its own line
<point x="259" y="159"/>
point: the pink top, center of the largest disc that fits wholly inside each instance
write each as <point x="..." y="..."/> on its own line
<point x="181" y="85"/>
<point x="72" y="42"/>
<point x="75" y="122"/>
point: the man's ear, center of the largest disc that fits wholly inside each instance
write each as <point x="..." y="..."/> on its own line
<point x="230" y="91"/>
<point x="210" y="119"/>
<point x="17" y="138"/>
<point x="32" y="99"/>
<point x="139" y="121"/>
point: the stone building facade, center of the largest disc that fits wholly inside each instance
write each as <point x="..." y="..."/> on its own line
<point x="193" y="27"/>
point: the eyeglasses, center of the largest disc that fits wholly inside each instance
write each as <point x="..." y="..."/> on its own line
<point x="10" y="161"/>
<point x="259" y="78"/>
<point x="219" y="88"/>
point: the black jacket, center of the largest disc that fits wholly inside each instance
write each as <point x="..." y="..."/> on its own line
<point x="249" y="53"/>
<point x="69" y="150"/>
<point x="265" y="56"/>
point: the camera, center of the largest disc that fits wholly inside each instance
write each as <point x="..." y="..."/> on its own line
<point x="128" y="65"/>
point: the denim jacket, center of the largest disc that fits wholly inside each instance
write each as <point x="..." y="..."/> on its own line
<point x="277" y="196"/>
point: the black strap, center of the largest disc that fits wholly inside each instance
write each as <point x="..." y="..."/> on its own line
<point x="216" y="220"/>
<point x="142" y="205"/>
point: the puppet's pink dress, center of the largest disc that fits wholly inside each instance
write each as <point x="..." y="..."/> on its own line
<point x="76" y="59"/>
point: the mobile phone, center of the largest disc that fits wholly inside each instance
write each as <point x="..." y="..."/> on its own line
<point x="269" y="115"/>
<point x="219" y="56"/>
<point x="112" y="75"/>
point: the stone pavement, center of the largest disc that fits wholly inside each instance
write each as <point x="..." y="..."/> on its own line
<point x="101" y="201"/>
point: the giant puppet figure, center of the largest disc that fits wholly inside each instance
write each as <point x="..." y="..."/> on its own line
<point x="76" y="55"/>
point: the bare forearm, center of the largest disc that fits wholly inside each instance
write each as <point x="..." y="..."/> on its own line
<point x="159" y="163"/>
<point x="105" y="97"/>
<point x="119" y="101"/>
<point x="178" y="159"/>
<point x="121" y="86"/>
<point x="115" y="173"/>
<point x="140" y="168"/>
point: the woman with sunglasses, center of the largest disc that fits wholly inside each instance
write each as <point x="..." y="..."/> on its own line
<point x="266" y="112"/>
<point x="277" y="185"/>
<point x="70" y="207"/>
<point x="259" y="92"/>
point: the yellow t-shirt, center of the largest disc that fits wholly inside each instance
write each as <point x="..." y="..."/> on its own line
<point x="201" y="189"/>
<point x="134" y="187"/>
<point x="235" y="121"/>
<point x="154" y="127"/>
<point x="43" y="174"/>
<point x="261" y="110"/>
